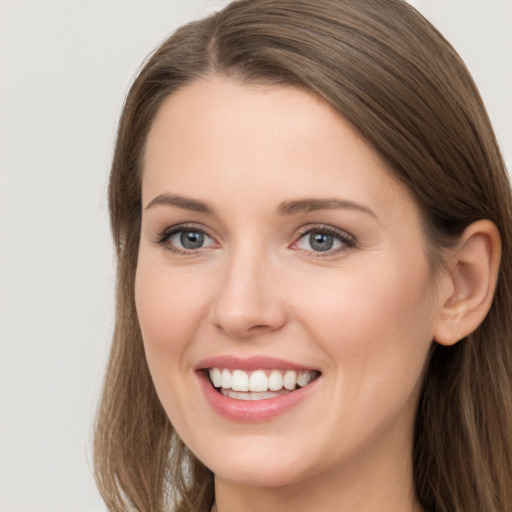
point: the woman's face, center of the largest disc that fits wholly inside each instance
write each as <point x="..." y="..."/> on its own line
<point x="278" y="252"/>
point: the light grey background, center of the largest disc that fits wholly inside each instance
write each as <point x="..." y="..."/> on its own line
<point x="65" y="66"/>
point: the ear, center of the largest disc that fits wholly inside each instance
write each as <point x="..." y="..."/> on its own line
<point x="469" y="282"/>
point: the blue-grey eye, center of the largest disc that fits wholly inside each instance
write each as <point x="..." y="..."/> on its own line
<point x="190" y="239"/>
<point x="322" y="241"/>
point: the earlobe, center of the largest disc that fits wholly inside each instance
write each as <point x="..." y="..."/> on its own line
<point x="472" y="273"/>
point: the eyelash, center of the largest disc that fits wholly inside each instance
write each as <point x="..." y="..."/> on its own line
<point x="347" y="241"/>
<point x="164" y="236"/>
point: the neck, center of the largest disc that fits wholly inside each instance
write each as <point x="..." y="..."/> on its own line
<point x="323" y="498"/>
<point x="326" y="498"/>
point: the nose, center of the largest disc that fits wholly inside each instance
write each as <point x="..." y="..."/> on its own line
<point x="248" y="300"/>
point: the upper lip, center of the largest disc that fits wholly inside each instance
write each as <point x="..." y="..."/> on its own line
<point x="232" y="362"/>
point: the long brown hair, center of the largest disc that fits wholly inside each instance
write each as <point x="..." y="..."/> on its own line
<point x="397" y="80"/>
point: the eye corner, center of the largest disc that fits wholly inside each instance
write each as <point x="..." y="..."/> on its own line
<point x="185" y="239"/>
<point x="323" y="241"/>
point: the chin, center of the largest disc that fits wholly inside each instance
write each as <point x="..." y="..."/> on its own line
<point x="258" y="473"/>
<point x="264" y="461"/>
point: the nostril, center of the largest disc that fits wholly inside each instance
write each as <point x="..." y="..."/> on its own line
<point x="260" y="327"/>
<point x="243" y="332"/>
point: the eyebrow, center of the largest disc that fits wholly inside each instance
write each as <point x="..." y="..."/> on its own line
<point x="309" y="205"/>
<point x="285" y="208"/>
<point x="185" y="203"/>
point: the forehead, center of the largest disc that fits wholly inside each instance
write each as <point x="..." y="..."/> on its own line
<point x="261" y="140"/>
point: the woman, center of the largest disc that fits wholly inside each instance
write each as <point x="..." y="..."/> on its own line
<point x="312" y="222"/>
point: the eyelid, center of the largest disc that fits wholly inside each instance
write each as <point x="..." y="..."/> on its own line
<point x="348" y="240"/>
<point x="162" y="237"/>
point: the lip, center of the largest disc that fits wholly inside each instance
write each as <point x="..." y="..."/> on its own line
<point x="231" y="362"/>
<point x="253" y="411"/>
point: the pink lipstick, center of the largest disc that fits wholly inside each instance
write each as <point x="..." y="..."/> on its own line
<point x="254" y="389"/>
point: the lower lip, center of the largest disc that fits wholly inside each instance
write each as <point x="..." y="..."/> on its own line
<point x="252" y="411"/>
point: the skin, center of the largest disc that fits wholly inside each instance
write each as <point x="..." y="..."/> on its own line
<point x="363" y="314"/>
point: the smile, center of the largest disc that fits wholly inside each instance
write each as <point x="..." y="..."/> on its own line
<point x="259" y="384"/>
<point x="255" y="389"/>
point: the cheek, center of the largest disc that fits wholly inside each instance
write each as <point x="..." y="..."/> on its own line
<point x="169" y="306"/>
<point x="394" y="297"/>
<point x="170" y="312"/>
<point x="376" y="328"/>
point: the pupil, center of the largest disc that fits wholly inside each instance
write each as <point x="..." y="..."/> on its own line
<point x="192" y="239"/>
<point x="321" y="241"/>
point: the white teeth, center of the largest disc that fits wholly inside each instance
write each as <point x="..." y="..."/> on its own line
<point x="275" y="380"/>
<point x="216" y="376"/>
<point x="249" y="396"/>
<point x="239" y="381"/>
<point x="226" y="379"/>
<point x="290" y="380"/>
<point x="259" y="382"/>
<point x="304" y="378"/>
